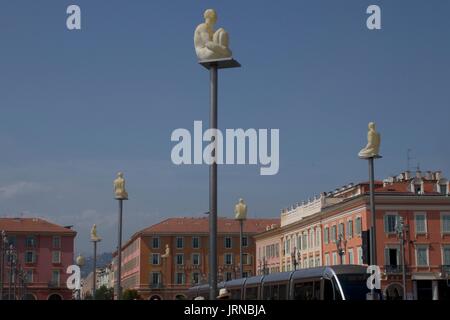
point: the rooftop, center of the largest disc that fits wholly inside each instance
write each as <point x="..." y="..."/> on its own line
<point x="32" y="225"/>
<point x="201" y="225"/>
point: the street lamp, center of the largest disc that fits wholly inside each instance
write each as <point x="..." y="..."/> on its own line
<point x="120" y="194"/>
<point x="80" y="263"/>
<point x="12" y="264"/>
<point x="401" y="229"/>
<point x="3" y="246"/>
<point x="341" y="244"/>
<point x="240" y="211"/>
<point x="294" y="257"/>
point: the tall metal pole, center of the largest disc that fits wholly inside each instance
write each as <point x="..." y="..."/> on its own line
<point x="402" y="249"/>
<point x="94" y="271"/>
<point x="241" y="237"/>
<point x="213" y="191"/>
<point x="373" y="246"/>
<point x="119" y="253"/>
<point x="10" y="257"/>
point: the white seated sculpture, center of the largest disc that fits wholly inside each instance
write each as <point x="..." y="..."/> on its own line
<point x="210" y="45"/>
<point x="167" y="253"/>
<point x="240" y="210"/>
<point x="373" y="143"/>
<point x="119" y="187"/>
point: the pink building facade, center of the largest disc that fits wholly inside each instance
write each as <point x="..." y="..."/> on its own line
<point x="35" y="259"/>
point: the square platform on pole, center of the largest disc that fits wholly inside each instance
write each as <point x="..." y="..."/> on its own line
<point x="220" y="63"/>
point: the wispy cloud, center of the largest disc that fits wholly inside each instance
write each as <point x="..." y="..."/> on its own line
<point x="21" y="188"/>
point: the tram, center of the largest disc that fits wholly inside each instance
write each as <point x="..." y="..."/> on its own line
<point x="340" y="282"/>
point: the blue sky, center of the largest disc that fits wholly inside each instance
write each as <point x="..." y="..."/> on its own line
<point x="76" y="107"/>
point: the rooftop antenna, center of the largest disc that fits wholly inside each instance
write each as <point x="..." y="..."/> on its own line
<point x="408" y="159"/>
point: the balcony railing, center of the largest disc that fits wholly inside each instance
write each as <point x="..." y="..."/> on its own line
<point x="156" y="285"/>
<point x="394" y="268"/>
<point x="53" y="284"/>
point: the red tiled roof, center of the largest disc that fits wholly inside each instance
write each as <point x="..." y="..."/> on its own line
<point x="35" y="225"/>
<point x="404" y="187"/>
<point x="201" y="225"/>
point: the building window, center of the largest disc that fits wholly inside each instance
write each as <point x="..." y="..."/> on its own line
<point x="12" y="240"/>
<point x="56" y="242"/>
<point x="156" y="278"/>
<point x="350" y="256"/>
<point x="245" y="259"/>
<point x="443" y="189"/>
<point x="421" y="223"/>
<point x="155" y="242"/>
<point x="228" y="243"/>
<point x="446" y="223"/>
<point x="359" y="252"/>
<point x="341" y="229"/>
<point x="180" y="259"/>
<point x="326" y="232"/>
<point x="246" y="274"/>
<point x="334" y="258"/>
<point x="358" y="226"/>
<point x="56" y="256"/>
<point x="29" y="276"/>
<point x="179" y="278"/>
<point x="55" y="278"/>
<point x="391" y="256"/>
<point x="195" y="242"/>
<point x="228" y="258"/>
<point x="245" y="241"/>
<point x="422" y="255"/>
<point x="317" y="261"/>
<point x="180" y="242"/>
<point x="228" y="276"/>
<point x="311" y="238"/>
<point x="327" y="259"/>
<point x="390" y="223"/>
<point x="195" y="278"/>
<point x="155" y="258"/>
<point x="196" y="259"/>
<point x="349" y="229"/>
<point x="446" y="257"/>
<point x="304" y="241"/>
<point x="31" y="242"/>
<point x="277" y="250"/>
<point x="30" y="257"/>
<point x="333" y="233"/>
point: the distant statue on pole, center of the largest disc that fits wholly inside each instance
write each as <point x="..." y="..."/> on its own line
<point x="372" y="148"/>
<point x="210" y="44"/>
<point x="119" y="187"/>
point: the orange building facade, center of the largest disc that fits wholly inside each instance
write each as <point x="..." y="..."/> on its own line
<point x="334" y="226"/>
<point x="166" y="259"/>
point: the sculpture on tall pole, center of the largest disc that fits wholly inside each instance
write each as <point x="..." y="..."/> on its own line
<point x="240" y="211"/>
<point x="371" y="152"/>
<point x="120" y="194"/>
<point x="94" y="239"/>
<point x="213" y="53"/>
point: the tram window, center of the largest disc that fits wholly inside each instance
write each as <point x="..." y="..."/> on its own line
<point x="267" y="292"/>
<point x="282" y="292"/>
<point x="316" y="290"/>
<point x="304" y="291"/>
<point x="235" y="294"/>
<point x="328" y="291"/>
<point x="251" y="293"/>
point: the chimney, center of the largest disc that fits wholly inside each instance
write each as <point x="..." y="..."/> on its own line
<point x="419" y="174"/>
<point x="407" y="175"/>
<point x="438" y="175"/>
